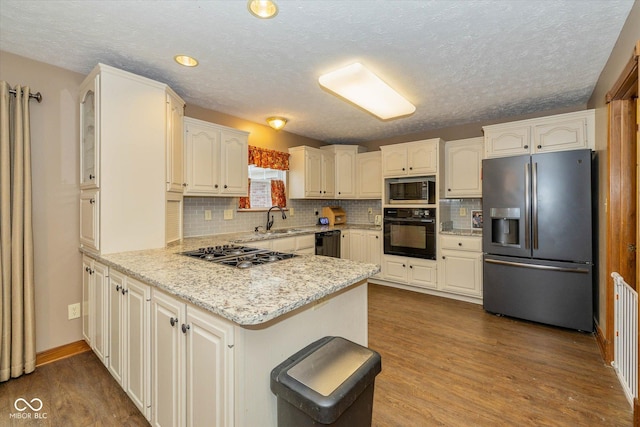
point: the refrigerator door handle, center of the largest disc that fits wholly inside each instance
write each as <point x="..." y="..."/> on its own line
<point x="537" y="266"/>
<point x="534" y="184"/>
<point x="527" y="204"/>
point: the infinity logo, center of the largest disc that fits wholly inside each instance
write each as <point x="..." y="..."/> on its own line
<point x="28" y="404"/>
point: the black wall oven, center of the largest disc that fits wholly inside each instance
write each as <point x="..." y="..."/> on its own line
<point x="410" y="232"/>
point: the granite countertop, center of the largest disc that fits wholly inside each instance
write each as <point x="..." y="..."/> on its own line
<point x="245" y="296"/>
<point x="296" y="231"/>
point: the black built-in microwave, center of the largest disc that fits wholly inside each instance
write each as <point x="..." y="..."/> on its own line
<point x="411" y="191"/>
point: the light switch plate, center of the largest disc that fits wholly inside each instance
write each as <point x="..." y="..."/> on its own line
<point x="290" y="211"/>
<point x="463" y="211"/>
<point x="207" y="215"/>
<point x="228" y="214"/>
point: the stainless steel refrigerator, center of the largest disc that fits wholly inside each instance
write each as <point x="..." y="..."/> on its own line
<point x="537" y="238"/>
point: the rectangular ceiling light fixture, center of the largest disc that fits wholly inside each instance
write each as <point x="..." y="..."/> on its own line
<point x="360" y="86"/>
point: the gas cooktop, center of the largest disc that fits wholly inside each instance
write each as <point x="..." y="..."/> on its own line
<point x="238" y="256"/>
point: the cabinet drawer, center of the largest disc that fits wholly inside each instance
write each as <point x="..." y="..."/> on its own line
<point x="461" y="243"/>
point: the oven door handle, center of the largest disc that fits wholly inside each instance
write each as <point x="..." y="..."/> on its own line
<point x="401" y="221"/>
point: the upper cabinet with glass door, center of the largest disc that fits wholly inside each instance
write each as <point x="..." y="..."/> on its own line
<point x="89" y="132"/>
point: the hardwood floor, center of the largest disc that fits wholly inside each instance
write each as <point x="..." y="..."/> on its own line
<point x="444" y="363"/>
<point x="449" y="363"/>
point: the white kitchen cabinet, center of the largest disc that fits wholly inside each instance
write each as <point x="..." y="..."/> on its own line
<point x="369" y="175"/>
<point x="192" y="365"/>
<point x="561" y="132"/>
<point x="345" y="244"/>
<point x="373" y="247"/>
<point x="311" y="173"/>
<point x="357" y="245"/>
<point x="90" y="218"/>
<point x="460" y="265"/>
<point x="216" y="159"/>
<point x="415" y="158"/>
<point x="125" y="159"/>
<point x="411" y="271"/>
<point x="95" y="317"/>
<point x="116" y="334"/>
<point x="174" y="143"/>
<point x="463" y="168"/>
<point x="345" y="169"/>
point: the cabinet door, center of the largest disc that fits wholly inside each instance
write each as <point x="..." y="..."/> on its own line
<point x="209" y="370"/>
<point x="394" y="268"/>
<point x="89" y="219"/>
<point x="422" y="158"/>
<point x="89" y="135"/>
<point x="234" y="164"/>
<point x="462" y="272"/>
<point x="100" y="318"/>
<point x="345" y="244"/>
<point x="509" y="141"/>
<point x="357" y="243"/>
<point x="328" y="172"/>
<point x="261" y="244"/>
<point x="313" y="173"/>
<point x="137" y="302"/>
<point x="87" y="298"/>
<point x="202" y="157"/>
<point x="115" y="335"/>
<point x="463" y="168"/>
<point x="168" y="316"/>
<point x="560" y="135"/>
<point x="394" y="160"/>
<point x="369" y="175"/>
<point x="422" y="273"/>
<point x="285" y="244"/>
<point x="175" y="145"/>
<point x="345" y="173"/>
<point x="173" y="217"/>
<point x="373" y="247"/>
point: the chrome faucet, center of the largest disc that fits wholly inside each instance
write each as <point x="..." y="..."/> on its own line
<point x="270" y="222"/>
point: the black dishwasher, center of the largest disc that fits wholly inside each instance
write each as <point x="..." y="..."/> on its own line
<point x="328" y="243"/>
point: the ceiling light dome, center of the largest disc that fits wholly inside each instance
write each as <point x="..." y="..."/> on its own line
<point x="277" y="122"/>
<point x="263" y="9"/>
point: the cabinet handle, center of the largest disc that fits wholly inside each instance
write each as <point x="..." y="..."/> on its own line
<point x="184" y="184"/>
<point x="91" y="177"/>
<point x="185" y="328"/>
<point x="173" y="321"/>
<point x="92" y="201"/>
<point x="124" y="291"/>
<point x="118" y="287"/>
<point x="526" y="146"/>
<point x="539" y="147"/>
<point x="87" y="269"/>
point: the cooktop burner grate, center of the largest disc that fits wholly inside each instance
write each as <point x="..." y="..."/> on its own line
<point x="238" y="256"/>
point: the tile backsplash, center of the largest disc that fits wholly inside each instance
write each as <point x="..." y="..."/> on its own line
<point x="450" y="211"/>
<point x="195" y="224"/>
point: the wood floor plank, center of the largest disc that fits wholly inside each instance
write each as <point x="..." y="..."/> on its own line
<point x="450" y="363"/>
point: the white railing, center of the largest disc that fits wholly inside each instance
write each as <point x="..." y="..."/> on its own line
<point x="625" y="356"/>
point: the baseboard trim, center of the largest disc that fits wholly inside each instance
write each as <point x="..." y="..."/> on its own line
<point x="603" y="344"/>
<point x="61" y="352"/>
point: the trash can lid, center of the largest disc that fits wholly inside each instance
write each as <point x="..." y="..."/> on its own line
<point x="328" y="367"/>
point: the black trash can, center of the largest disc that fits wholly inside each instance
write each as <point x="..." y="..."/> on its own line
<point x="330" y="382"/>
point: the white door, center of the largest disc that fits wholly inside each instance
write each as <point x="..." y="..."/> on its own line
<point x="394" y="160"/>
<point x="328" y="175"/>
<point x="394" y="268"/>
<point x="168" y="316"/>
<point x="175" y="145"/>
<point x="373" y="247"/>
<point x="89" y="219"/>
<point x="87" y="299"/>
<point x="209" y="370"/>
<point x="100" y="285"/>
<point x="202" y="158"/>
<point x="369" y="175"/>
<point x="312" y="173"/>
<point x="423" y="273"/>
<point x="345" y="173"/>
<point x="422" y="158"/>
<point x="137" y="356"/>
<point x="115" y="336"/>
<point x="462" y="272"/>
<point x="234" y="166"/>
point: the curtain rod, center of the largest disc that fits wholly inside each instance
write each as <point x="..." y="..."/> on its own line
<point x="37" y="96"/>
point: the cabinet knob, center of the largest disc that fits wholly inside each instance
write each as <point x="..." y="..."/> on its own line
<point x="411" y="168"/>
<point x="539" y="147"/>
<point x="118" y="287"/>
<point x="225" y="186"/>
<point x="411" y="266"/>
<point x="403" y="169"/>
<point x="173" y="321"/>
<point x="92" y="201"/>
<point x="124" y="291"/>
<point x="184" y="184"/>
<point x="377" y="237"/>
<point x="443" y="257"/>
<point x="403" y="266"/>
<point x="87" y="269"/>
<point x="185" y="328"/>
<point x="339" y="192"/>
<point x="526" y="146"/>
<point x="459" y="243"/>
<point x="92" y="177"/>
<point x="215" y="186"/>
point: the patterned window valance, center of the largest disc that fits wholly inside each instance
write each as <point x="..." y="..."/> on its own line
<point x="266" y="158"/>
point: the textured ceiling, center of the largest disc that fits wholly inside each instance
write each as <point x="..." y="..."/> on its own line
<point x="457" y="61"/>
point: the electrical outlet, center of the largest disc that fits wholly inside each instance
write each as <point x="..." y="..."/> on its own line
<point x="228" y="214"/>
<point x="207" y="215"/>
<point x="73" y="311"/>
<point x="290" y="211"/>
<point x="463" y="211"/>
<point x="370" y="211"/>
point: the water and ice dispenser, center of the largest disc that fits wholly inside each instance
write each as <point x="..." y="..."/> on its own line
<point x="505" y="226"/>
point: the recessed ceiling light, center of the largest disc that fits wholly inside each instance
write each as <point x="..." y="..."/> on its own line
<point x="186" y="60"/>
<point x="263" y="9"/>
<point x="277" y="122"/>
<point x="362" y="87"/>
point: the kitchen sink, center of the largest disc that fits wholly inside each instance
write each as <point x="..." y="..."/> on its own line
<point x="281" y="231"/>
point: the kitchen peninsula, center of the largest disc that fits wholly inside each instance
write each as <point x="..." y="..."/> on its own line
<point x="217" y="331"/>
